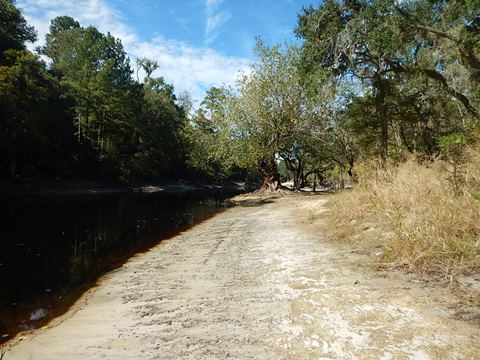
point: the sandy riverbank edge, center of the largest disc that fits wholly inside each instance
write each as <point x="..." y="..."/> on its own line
<point x="255" y="202"/>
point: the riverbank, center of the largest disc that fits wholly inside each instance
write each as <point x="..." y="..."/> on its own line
<point x="257" y="281"/>
<point x="84" y="187"/>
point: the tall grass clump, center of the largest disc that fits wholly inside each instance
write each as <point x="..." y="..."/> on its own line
<point x="427" y="215"/>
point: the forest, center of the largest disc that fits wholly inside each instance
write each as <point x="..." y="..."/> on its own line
<point x="379" y="80"/>
<point x="83" y="115"/>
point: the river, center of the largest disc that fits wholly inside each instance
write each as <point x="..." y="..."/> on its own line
<point x="53" y="248"/>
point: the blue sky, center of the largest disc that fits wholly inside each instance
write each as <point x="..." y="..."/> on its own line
<point x="197" y="43"/>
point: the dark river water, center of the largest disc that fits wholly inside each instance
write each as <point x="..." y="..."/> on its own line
<point x="52" y="249"/>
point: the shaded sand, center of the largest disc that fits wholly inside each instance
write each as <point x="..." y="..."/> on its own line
<point x="255" y="282"/>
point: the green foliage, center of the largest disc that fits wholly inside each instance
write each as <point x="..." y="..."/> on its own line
<point x="410" y="68"/>
<point x="208" y="138"/>
<point x="149" y="66"/>
<point x="94" y="72"/>
<point x="14" y="30"/>
<point x="453" y="145"/>
<point x="161" y="131"/>
<point x="268" y="112"/>
<point x="31" y="141"/>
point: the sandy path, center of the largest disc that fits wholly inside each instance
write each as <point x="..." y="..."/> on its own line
<point x="252" y="284"/>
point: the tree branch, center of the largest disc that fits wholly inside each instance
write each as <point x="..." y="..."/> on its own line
<point x="466" y="54"/>
<point x="438" y="77"/>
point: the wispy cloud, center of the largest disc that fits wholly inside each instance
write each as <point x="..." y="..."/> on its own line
<point x="216" y="18"/>
<point x="186" y="67"/>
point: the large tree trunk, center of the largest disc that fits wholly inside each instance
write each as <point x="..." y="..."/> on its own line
<point x="269" y="171"/>
<point x="297" y="178"/>
<point x="304" y="177"/>
<point x="296" y="168"/>
<point x="350" y="170"/>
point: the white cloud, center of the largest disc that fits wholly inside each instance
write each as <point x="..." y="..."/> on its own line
<point x="186" y="67"/>
<point x="189" y="68"/>
<point x="216" y="18"/>
<point x="89" y="12"/>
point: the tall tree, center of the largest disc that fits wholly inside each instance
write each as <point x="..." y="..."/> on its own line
<point x="148" y="65"/>
<point x="27" y="99"/>
<point x="268" y="110"/>
<point x="14" y="30"/>
<point x="208" y="136"/>
<point x="162" y="146"/>
<point x="385" y="46"/>
<point x="353" y="41"/>
<point x="95" y="72"/>
<point x="25" y="94"/>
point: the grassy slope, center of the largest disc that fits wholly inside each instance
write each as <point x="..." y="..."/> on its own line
<point x="410" y="217"/>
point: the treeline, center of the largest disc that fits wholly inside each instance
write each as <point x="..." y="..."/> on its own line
<point x="378" y="79"/>
<point x="84" y="115"/>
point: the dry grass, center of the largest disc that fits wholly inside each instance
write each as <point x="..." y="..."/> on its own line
<point x="423" y="225"/>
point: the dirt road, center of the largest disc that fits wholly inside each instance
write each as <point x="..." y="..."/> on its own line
<point x="255" y="282"/>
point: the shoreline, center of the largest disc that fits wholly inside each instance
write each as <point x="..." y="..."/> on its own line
<point x="38" y="308"/>
<point x="97" y="188"/>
